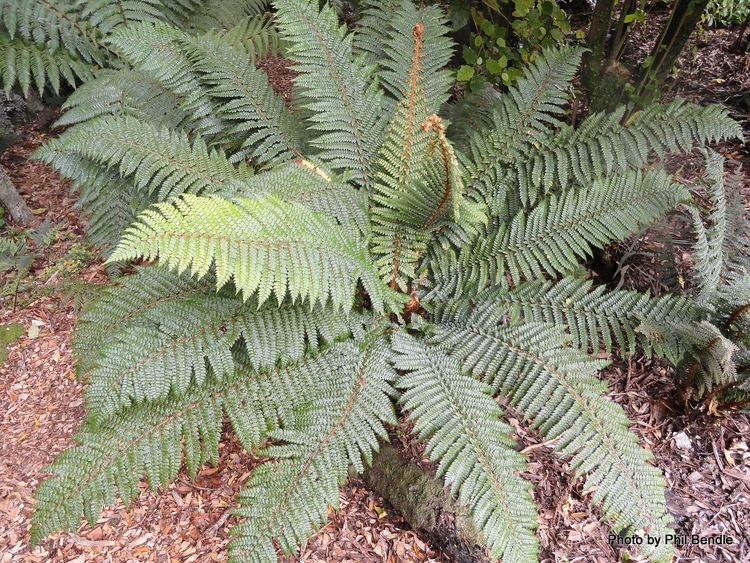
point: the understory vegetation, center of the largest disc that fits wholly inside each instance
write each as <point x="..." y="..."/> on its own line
<point x="381" y="250"/>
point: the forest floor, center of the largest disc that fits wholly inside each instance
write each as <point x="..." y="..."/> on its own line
<point x="705" y="458"/>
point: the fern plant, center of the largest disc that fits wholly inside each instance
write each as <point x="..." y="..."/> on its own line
<point x="48" y="44"/>
<point x="315" y="273"/>
<point x="713" y="355"/>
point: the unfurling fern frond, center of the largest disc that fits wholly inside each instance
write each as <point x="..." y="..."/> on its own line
<point x="553" y="386"/>
<point x="457" y="417"/>
<point x="341" y="90"/>
<point x="288" y="497"/>
<point x="433" y="54"/>
<point x="251" y="241"/>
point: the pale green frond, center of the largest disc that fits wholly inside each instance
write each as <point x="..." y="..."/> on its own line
<point x="553" y="386"/>
<point x="264" y="244"/>
<point x="150" y="438"/>
<point x="267" y="131"/>
<point x="340" y="91"/>
<point x="107" y="16"/>
<point x="306" y="183"/>
<point x="287" y="498"/>
<point x="564" y="228"/>
<point x="460" y="422"/>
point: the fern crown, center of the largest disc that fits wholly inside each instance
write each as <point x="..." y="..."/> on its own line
<point x="315" y="274"/>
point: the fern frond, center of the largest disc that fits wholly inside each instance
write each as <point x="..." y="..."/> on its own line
<point x="457" y="417"/>
<point x="267" y="131"/>
<point x="124" y="92"/>
<point x="596" y="319"/>
<point x="562" y="229"/>
<point x="53" y="25"/>
<point x="160" y="161"/>
<point x="308" y="184"/>
<point x="157" y="50"/>
<point x="256" y="36"/>
<point x="28" y="64"/>
<point x="107" y="16"/>
<point x="252" y="241"/>
<point x="523" y="115"/>
<point x="373" y="27"/>
<point x="287" y="498"/>
<point x="222" y="14"/>
<point x="166" y="355"/>
<point x="434" y="54"/>
<point x="150" y="438"/>
<point x="601" y="146"/>
<point x="554" y="387"/>
<point x="341" y="91"/>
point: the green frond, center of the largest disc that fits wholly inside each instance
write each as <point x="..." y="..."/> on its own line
<point x="471" y="113"/>
<point x="373" y="27"/>
<point x="160" y="161"/>
<point x="111" y="203"/>
<point x="53" y="25"/>
<point x="564" y="228"/>
<point x="252" y="241"/>
<point x="596" y="319"/>
<point x="157" y="49"/>
<point x="124" y="92"/>
<point x="139" y="298"/>
<point x="256" y="36"/>
<point x="267" y="131"/>
<point x="222" y="14"/>
<point x="29" y="64"/>
<point x="159" y="356"/>
<point x="150" y="439"/>
<point x="306" y="183"/>
<point x="601" y="146"/>
<point x="340" y="91"/>
<point x="434" y="52"/>
<point x="287" y="498"/>
<point x="107" y="16"/>
<point x="553" y="386"/>
<point x="529" y="109"/>
<point x="460" y="422"/>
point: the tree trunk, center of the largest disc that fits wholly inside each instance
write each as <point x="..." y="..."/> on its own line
<point x="685" y="16"/>
<point x="14" y="203"/>
<point x="737" y="45"/>
<point x="424" y="503"/>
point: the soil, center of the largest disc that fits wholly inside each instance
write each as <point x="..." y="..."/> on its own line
<point x="705" y="458"/>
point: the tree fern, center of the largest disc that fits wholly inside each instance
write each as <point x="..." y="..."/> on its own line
<point x="366" y="236"/>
